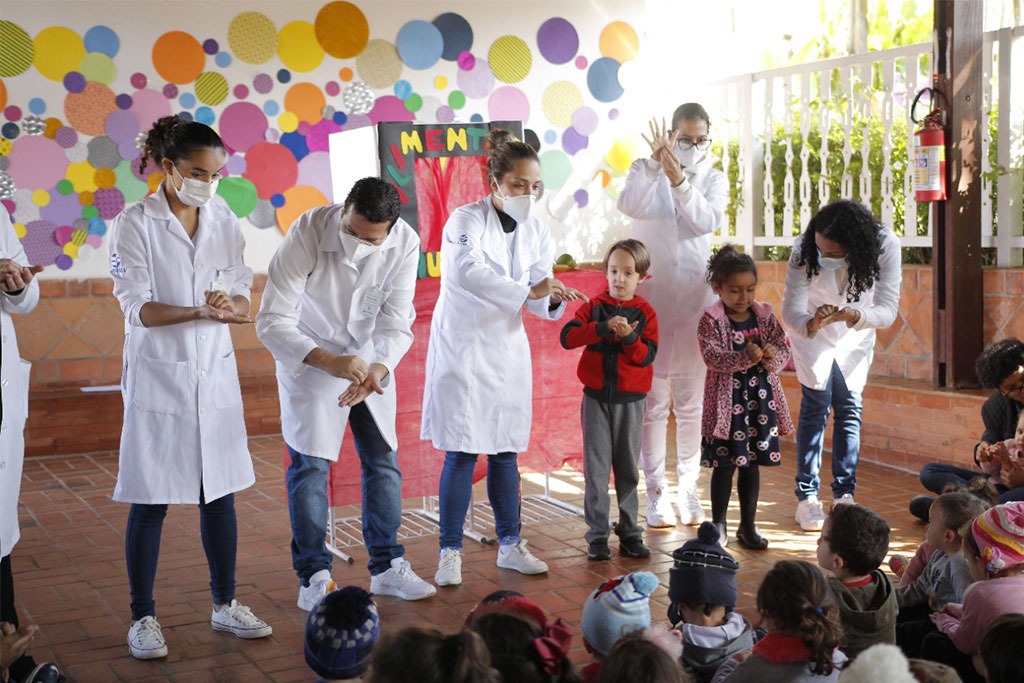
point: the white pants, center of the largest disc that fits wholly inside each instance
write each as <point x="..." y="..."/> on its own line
<point x="685" y="396"/>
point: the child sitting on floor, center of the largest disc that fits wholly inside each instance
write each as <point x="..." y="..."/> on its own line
<point x="615" y="608"/>
<point x="945" y="577"/>
<point x="852" y="546"/>
<point x="341" y="631"/>
<point x="802" y="645"/>
<point x="994" y="550"/>
<point x="647" y="656"/>
<point x="702" y="593"/>
<point x="425" y="655"/>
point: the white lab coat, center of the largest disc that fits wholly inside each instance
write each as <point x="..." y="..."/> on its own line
<point x="14" y="391"/>
<point x="675" y="223"/>
<point x="478" y="392"/>
<point x="852" y="348"/>
<point x="184" y="425"/>
<point x="316" y="296"/>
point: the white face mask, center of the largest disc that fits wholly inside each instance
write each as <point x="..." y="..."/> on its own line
<point x="195" y="192"/>
<point x="357" y="247"/>
<point x="690" y="157"/>
<point x="518" y="207"/>
<point x="830" y="263"/>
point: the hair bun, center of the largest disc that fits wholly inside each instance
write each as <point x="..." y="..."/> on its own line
<point x="500" y="136"/>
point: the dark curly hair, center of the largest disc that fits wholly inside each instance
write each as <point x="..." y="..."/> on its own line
<point x="375" y="200"/>
<point x="998" y="361"/>
<point x="851" y="225"/>
<point x="796" y="596"/>
<point x="510" y="639"/>
<point x="172" y="137"/>
<point x="726" y="262"/>
<point x="859" y="536"/>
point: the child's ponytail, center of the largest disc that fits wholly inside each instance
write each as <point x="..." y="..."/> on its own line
<point x="797" y="597"/>
<point x="464" y="658"/>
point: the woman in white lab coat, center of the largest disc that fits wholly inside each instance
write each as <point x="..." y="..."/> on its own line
<point x="842" y="284"/>
<point x="19" y="294"/>
<point x="495" y="263"/>
<point x="176" y="261"/>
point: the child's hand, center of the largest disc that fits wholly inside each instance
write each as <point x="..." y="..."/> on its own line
<point x="986" y="451"/>
<point x="769" y="351"/>
<point x="754" y="352"/>
<point x="14" y="642"/>
<point x="624" y="329"/>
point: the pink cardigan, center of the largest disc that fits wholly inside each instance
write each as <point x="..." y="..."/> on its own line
<point x="715" y="336"/>
<point x="966" y="624"/>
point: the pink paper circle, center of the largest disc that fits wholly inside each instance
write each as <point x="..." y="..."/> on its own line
<point x="476" y="82"/>
<point x="508" y="103"/>
<point x="36" y="162"/>
<point x="242" y="125"/>
<point x="390" y="108"/>
<point x="316" y="138"/>
<point x="466" y="60"/>
<point x="149" y="105"/>
<point x="584" y="120"/>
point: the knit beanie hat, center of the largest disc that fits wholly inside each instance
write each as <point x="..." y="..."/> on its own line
<point x="703" y="574"/>
<point x="617" y="607"/>
<point x="880" y="662"/>
<point x="999" y="533"/>
<point x="509" y="602"/>
<point x="341" y="632"/>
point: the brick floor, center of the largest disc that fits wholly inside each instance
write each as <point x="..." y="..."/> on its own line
<point x="70" y="576"/>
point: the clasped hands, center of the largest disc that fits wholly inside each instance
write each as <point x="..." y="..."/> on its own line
<point x="826" y="314"/>
<point x="663" y="150"/>
<point x="14" y="277"/>
<point x="366" y="379"/>
<point x="758" y="353"/>
<point x="557" y="290"/>
<point x="221" y="308"/>
<point x="621" y="327"/>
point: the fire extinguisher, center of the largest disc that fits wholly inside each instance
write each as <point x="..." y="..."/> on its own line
<point x="929" y="152"/>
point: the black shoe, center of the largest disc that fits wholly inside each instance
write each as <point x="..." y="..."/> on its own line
<point x="47" y="672"/>
<point x="633" y="547"/>
<point x="920" y="506"/>
<point x="597" y="551"/>
<point x="750" y="539"/>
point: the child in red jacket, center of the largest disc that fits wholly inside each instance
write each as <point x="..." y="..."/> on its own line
<point x="620" y="332"/>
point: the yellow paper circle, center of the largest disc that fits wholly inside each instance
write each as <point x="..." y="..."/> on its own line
<point x="40" y="197"/>
<point x="252" y="37"/>
<point x="440" y="82"/>
<point x="154" y="180"/>
<point x="510" y="59"/>
<point x="287" y="122"/>
<point x="211" y="88"/>
<point x="20" y="230"/>
<point x="561" y="99"/>
<point x="58" y="50"/>
<point x="82" y="175"/>
<point x="619" y="41"/>
<point x="298" y="48"/>
<point x="342" y="29"/>
<point x="621" y="154"/>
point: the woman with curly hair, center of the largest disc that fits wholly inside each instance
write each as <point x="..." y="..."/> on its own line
<point x="842" y="284"/>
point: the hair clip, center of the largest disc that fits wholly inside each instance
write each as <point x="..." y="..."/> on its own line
<point x="553" y="646"/>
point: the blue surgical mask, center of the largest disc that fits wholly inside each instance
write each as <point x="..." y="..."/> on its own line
<point x="830" y="263"/>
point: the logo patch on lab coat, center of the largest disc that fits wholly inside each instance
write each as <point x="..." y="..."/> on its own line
<point x="116" y="268"/>
<point x="463" y="239"/>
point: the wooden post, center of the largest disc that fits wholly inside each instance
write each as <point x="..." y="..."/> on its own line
<point x="956" y="235"/>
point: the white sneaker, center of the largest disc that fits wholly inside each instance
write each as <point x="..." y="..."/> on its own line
<point x="517" y="558"/>
<point x="659" y="510"/>
<point x="449" y="567"/>
<point x="320" y="584"/>
<point x="401" y="581"/>
<point x="146" y="640"/>
<point x="690" y="511"/>
<point x="845" y="499"/>
<point x="240" y="620"/>
<point x="809" y="514"/>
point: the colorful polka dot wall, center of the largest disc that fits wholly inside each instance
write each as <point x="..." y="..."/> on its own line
<point x="276" y="89"/>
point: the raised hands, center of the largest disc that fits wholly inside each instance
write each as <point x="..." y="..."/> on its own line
<point x="621" y="327"/>
<point x="661" y="139"/>
<point x="557" y="290"/>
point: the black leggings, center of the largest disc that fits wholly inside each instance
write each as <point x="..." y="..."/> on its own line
<point x="22" y="665"/>
<point x="748" y="485"/>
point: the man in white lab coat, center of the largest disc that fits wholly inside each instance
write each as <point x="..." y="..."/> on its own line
<point x="678" y="200"/>
<point x="19" y="293"/>
<point x="337" y="314"/>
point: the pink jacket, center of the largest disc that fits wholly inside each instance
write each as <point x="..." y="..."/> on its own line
<point x="984" y="601"/>
<point x="715" y="336"/>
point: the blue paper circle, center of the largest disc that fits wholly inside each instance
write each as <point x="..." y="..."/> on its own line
<point x="550" y="137"/>
<point x="185" y="116"/>
<point x="403" y="89"/>
<point x="102" y="39"/>
<point x="223" y="60"/>
<point x="187" y="100"/>
<point x="457" y="35"/>
<point x="270" y="108"/>
<point x="476" y="118"/>
<point x="205" y="115"/>
<point x="37" y="105"/>
<point x="10" y="130"/>
<point x="284" y="75"/>
<point x="340" y="118"/>
<point x="296" y="143"/>
<point x="603" y="80"/>
<point x="419" y="44"/>
<point x="277" y="200"/>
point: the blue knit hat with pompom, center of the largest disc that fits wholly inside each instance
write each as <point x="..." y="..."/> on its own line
<point x="341" y="632"/>
<point x="617" y="607"/>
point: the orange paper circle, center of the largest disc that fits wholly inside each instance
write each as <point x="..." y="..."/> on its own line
<point x="619" y="41"/>
<point x="178" y="57"/>
<point x="3" y="94"/>
<point x="341" y="29"/>
<point x="298" y="200"/>
<point x="87" y="110"/>
<point x="306" y="101"/>
<point x="105" y="178"/>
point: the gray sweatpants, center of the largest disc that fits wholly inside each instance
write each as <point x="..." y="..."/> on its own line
<point x="611" y="443"/>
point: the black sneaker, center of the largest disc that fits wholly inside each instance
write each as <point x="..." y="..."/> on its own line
<point x="633" y="547"/>
<point x="598" y="551"/>
<point x="47" y="672"/>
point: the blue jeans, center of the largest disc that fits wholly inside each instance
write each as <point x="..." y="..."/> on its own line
<point x="218" y="528"/>
<point x="456" y="490"/>
<point x="306" y="481"/>
<point x="846" y="406"/>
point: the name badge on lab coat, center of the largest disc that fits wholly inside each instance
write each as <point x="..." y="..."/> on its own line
<point x="371" y="302"/>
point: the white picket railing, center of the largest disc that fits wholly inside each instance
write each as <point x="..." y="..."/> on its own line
<point x="868" y="97"/>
